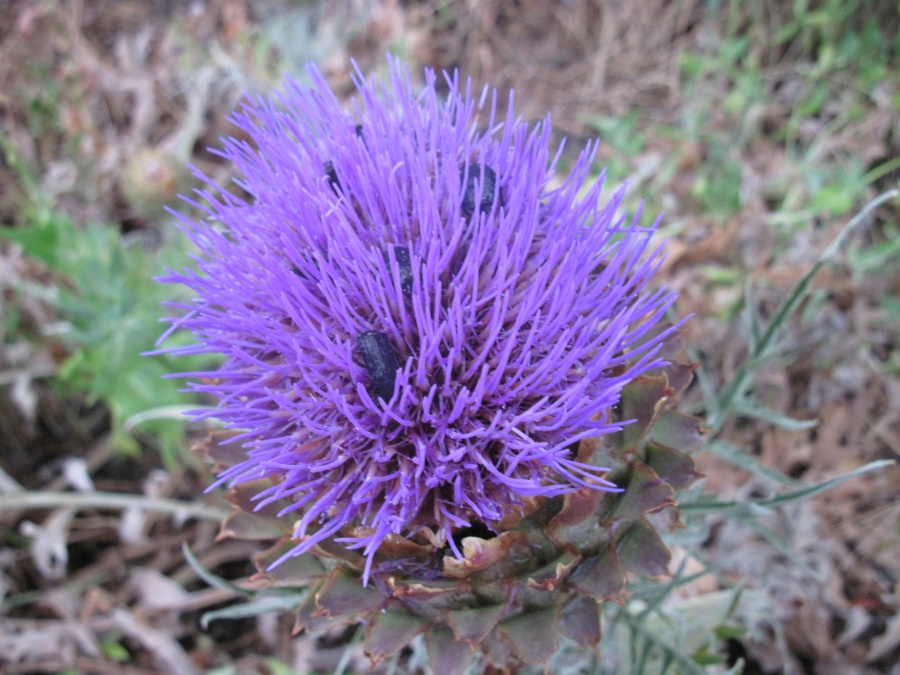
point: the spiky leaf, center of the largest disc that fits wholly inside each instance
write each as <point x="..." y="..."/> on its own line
<point x="579" y="620"/>
<point x="600" y="576"/>
<point x="553" y="574"/>
<point x="577" y="525"/>
<point x="473" y="625"/>
<point x="220" y="449"/>
<point x="641" y="401"/>
<point x="645" y="492"/>
<point x="309" y="619"/>
<point x="533" y="636"/>
<point x="245" y="497"/>
<point x="246" y="526"/>
<point x="677" y="431"/>
<point x="298" y="570"/>
<point x="641" y="550"/>
<point x="447" y="655"/>
<point x="674" y="467"/>
<point x="343" y="594"/>
<point x="680" y="376"/>
<point x="391" y="631"/>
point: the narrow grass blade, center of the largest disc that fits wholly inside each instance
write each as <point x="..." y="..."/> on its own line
<point x="209" y="577"/>
<point x="750" y="316"/>
<point x="738" y="507"/>
<point x="742" y="459"/>
<point x="262" y="605"/>
<point x="167" y="412"/>
<point x="748" y="408"/>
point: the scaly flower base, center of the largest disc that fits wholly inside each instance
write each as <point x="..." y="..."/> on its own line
<point x="513" y="594"/>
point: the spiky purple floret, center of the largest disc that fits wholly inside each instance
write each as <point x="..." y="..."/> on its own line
<point x="516" y="317"/>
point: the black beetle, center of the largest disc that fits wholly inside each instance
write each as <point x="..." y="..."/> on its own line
<point x="375" y="352"/>
<point x="404" y="262"/>
<point x="333" y="180"/>
<point x="488" y="189"/>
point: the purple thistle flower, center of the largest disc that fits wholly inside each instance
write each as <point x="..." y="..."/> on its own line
<point x="417" y="329"/>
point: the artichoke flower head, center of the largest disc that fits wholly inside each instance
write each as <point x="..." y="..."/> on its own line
<point x="426" y="345"/>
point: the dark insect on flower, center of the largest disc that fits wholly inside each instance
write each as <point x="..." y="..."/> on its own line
<point x="401" y="255"/>
<point x="375" y="352"/>
<point x="333" y="180"/>
<point x="488" y="181"/>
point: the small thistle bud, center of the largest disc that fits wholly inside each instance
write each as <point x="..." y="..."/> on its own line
<point x="375" y="352"/>
<point x="152" y="180"/>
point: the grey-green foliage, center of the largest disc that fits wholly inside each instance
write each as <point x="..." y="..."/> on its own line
<point x="109" y="304"/>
